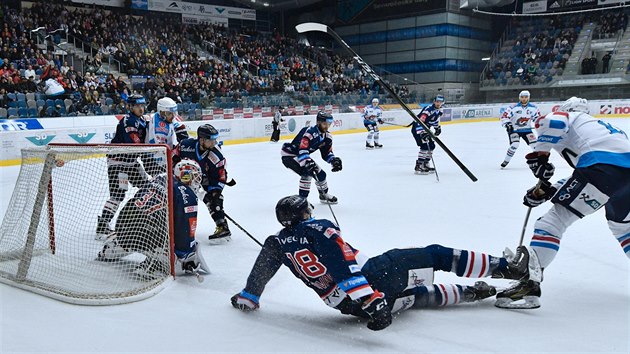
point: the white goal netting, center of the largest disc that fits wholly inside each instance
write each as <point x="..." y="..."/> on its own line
<point x="49" y="242"/>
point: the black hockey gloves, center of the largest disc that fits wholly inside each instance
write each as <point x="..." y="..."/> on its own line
<point x="244" y="301"/>
<point x="336" y="164"/>
<point x="537" y="195"/>
<point x="311" y="167"/>
<point x="380" y="121"/>
<point x="539" y="164"/>
<point x="438" y="130"/>
<point x="380" y="314"/>
<point x="509" y="128"/>
<point x="425" y="137"/>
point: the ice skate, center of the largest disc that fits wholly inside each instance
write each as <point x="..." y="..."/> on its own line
<point x="326" y="198"/>
<point x="421" y="168"/>
<point x="479" y="291"/>
<point x="377" y="145"/>
<point x="151" y="268"/>
<point x="522" y="266"/>
<point x="102" y="229"/>
<point x="222" y="232"/>
<point x="522" y="295"/>
<point x="429" y="168"/>
<point x="369" y="146"/>
<point x="504" y="163"/>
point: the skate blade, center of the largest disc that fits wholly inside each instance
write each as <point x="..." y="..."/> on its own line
<point x="421" y="173"/>
<point x="327" y="202"/>
<point x="526" y="303"/>
<point x="219" y="240"/>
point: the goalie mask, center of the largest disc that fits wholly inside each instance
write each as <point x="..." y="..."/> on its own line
<point x="292" y="210"/>
<point x="189" y="173"/>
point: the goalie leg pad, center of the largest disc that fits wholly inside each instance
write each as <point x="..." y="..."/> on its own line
<point x="580" y="196"/>
<point x="111" y="251"/>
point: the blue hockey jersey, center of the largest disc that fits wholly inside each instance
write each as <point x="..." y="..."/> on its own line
<point x="130" y="130"/>
<point x="316" y="254"/>
<point x="212" y="163"/>
<point x="185" y="217"/>
<point x="430" y="115"/>
<point x="307" y="141"/>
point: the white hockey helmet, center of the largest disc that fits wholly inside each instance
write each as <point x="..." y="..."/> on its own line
<point x="166" y="104"/>
<point x="575" y="104"/>
<point x="189" y="173"/>
<point x="375" y="100"/>
<point x="524" y="93"/>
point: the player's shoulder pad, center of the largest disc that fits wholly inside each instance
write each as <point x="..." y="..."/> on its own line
<point x="553" y="120"/>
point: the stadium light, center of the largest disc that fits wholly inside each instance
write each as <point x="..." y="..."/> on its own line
<point x="485" y="59"/>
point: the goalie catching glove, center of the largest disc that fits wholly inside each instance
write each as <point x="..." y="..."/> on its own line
<point x="336" y="164"/>
<point x="539" y="194"/>
<point x="376" y="307"/>
<point x="539" y="164"/>
<point x="245" y="301"/>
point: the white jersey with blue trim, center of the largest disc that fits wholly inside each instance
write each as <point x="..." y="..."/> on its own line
<point x="582" y="139"/>
<point x="371" y="113"/>
<point x="520" y="116"/>
<point x="159" y="131"/>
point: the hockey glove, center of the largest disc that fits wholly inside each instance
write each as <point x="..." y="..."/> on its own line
<point x="509" y="128"/>
<point x="380" y="121"/>
<point x="537" y="195"/>
<point x="336" y="164"/>
<point x="438" y="130"/>
<point x="245" y="301"/>
<point x="425" y="137"/>
<point x="311" y="167"/>
<point x="540" y="165"/>
<point x="378" y="310"/>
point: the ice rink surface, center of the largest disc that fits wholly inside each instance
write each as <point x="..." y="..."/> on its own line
<point x="382" y="205"/>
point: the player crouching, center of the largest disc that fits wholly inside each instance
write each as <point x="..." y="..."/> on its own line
<point x="142" y="221"/>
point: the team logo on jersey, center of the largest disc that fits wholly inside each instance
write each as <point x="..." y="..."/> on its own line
<point x="592" y="202"/>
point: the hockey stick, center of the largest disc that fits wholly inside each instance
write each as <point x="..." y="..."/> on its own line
<point x="529" y="211"/>
<point x="312" y="26"/>
<point x="329" y="207"/>
<point x="398" y="125"/>
<point x="437" y="176"/>
<point x="242" y="229"/>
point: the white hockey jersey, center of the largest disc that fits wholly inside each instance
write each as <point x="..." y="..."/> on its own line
<point x="160" y="131"/>
<point x="582" y="139"/>
<point x="371" y="114"/>
<point x="520" y="117"/>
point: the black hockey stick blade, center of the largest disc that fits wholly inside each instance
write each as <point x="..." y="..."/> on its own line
<point x="318" y="27"/>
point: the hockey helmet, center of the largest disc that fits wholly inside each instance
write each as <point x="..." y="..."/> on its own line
<point x="324" y="117"/>
<point x="439" y="98"/>
<point x="207" y="131"/>
<point x="188" y="172"/>
<point x="575" y="104"/>
<point x="166" y="104"/>
<point x="290" y="210"/>
<point x="524" y="93"/>
<point x="375" y="100"/>
<point x="136" y="99"/>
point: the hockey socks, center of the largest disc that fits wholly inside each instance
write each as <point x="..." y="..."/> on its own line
<point x="464" y="263"/>
<point x="439" y="295"/>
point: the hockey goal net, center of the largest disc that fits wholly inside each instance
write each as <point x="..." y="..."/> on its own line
<point x="48" y="240"/>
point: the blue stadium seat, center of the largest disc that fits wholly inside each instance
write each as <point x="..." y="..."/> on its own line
<point x="109" y="101"/>
<point x="22" y="104"/>
<point x="41" y="103"/>
<point x="32" y="112"/>
<point x="21" y="97"/>
<point x="23" y="112"/>
<point x="49" y="111"/>
<point x="11" y="96"/>
<point x="50" y="103"/>
<point x="59" y="102"/>
<point x="3" y="113"/>
<point x="12" y="112"/>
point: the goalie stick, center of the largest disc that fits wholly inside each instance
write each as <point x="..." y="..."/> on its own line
<point x="312" y="26"/>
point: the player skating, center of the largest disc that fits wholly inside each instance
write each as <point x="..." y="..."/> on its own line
<point x="372" y="288"/>
<point x="517" y="121"/>
<point x="600" y="156"/>
<point x="296" y="156"/>
<point x="430" y="115"/>
<point x="371" y="115"/>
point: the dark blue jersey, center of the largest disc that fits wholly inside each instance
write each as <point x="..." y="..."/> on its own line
<point x="130" y="130"/>
<point x="212" y="163"/>
<point x="185" y="217"/>
<point x="307" y="141"/>
<point x="316" y="254"/>
<point x="430" y="115"/>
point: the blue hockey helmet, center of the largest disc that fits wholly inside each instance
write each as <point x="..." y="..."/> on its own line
<point x="439" y="98"/>
<point x="324" y="117"/>
<point x="290" y="210"/>
<point x="136" y="99"/>
<point x="207" y="131"/>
